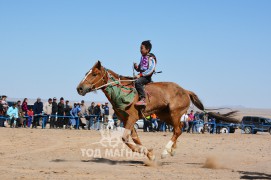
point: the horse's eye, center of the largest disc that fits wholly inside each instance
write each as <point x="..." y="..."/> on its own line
<point x="94" y="74"/>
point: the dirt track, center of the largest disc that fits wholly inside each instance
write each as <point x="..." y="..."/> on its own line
<point x="57" y="154"/>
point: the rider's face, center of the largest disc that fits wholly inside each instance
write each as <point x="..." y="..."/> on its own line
<point x="143" y="50"/>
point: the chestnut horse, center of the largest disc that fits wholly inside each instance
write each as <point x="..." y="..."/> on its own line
<point x="167" y="100"/>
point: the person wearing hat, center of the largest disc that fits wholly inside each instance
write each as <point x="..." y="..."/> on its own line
<point x="91" y="115"/>
<point x="75" y="113"/>
<point x="106" y="112"/>
<point x="54" y="113"/>
<point x="67" y="113"/>
<point x="38" y="108"/>
<point x="47" y="110"/>
<point x="13" y="114"/>
<point x="60" y="113"/>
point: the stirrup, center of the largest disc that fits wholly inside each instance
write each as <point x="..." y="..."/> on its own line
<point x="141" y="103"/>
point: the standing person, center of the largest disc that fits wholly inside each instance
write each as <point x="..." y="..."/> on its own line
<point x="25" y="109"/>
<point x="47" y="110"/>
<point x="190" y="121"/>
<point x="38" y="108"/>
<point x="4" y="104"/>
<point x="20" y="120"/>
<point x="54" y="113"/>
<point x="30" y="114"/>
<point x="2" y="120"/>
<point x="154" y="122"/>
<point x="24" y="106"/>
<point x="97" y="112"/>
<point x="75" y="113"/>
<point x="184" y="120"/>
<point x="84" y="114"/>
<point x="91" y="113"/>
<point x="67" y="109"/>
<point x="146" y="68"/>
<point x="13" y="115"/>
<point x="116" y="120"/>
<point x="60" y="113"/>
<point x="1" y="108"/>
<point x="106" y="112"/>
<point x="206" y="121"/>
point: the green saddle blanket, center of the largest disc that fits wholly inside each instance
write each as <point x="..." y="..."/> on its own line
<point x="121" y="96"/>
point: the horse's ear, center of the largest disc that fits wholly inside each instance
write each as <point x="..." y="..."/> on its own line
<point x="99" y="64"/>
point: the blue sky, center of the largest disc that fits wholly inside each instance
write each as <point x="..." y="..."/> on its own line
<point x="221" y="50"/>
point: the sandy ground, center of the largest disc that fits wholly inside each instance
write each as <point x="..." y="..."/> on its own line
<point x="57" y="154"/>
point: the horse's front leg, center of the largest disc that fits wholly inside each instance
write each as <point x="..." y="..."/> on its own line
<point x="137" y="141"/>
<point x="139" y="148"/>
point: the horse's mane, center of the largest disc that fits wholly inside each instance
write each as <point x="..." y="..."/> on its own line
<point x="120" y="76"/>
<point x="127" y="77"/>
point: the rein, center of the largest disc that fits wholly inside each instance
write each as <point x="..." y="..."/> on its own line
<point x="116" y="82"/>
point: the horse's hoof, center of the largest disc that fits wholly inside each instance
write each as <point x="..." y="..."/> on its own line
<point x="163" y="156"/>
<point x="173" y="152"/>
<point x="152" y="158"/>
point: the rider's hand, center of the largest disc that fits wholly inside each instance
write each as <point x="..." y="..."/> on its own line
<point x="135" y="66"/>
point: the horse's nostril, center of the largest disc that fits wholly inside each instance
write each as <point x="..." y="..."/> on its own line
<point x="80" y="89"/>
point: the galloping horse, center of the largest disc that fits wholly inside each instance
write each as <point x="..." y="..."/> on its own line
<point x="167" y="100"/>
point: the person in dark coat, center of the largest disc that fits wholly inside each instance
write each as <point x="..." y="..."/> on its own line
<point x="60" y="112"/>
<point x="67" y="109"/>
<point x="54" y="112"/>
<point x="38" y="107"/>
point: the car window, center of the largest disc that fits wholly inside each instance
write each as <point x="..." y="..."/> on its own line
<point x="255" y="119"/>
<point x="247" y="119"/>
<point x="263" y="120"/>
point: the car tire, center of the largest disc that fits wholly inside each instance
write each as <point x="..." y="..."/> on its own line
<point x="248" y="130"/>
<point x="232" y="130"/>
<point x="136" y="126"/>
<point x="270" y="131"/>
<point x="255" y="132"/>
<point x="224" y="130"/>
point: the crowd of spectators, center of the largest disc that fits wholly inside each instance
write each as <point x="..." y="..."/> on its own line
<point x="198" y="122"/>
<point x="57" y="115"/>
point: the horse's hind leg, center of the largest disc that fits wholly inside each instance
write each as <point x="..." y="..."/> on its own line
<point x="174" y="146"/>
<point x="177" y="131"/>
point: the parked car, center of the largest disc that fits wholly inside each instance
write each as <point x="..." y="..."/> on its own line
<point x="139" y="124"/>
<point x="253" y="124"/>
<point x="224" y="127"/>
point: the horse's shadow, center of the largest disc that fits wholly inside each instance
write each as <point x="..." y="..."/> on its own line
<point x="254" y="175"/>
<point x="114" y="162"/>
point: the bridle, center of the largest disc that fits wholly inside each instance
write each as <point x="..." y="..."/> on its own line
<point x="92" y="78"/>
<point x="106" y="72"/>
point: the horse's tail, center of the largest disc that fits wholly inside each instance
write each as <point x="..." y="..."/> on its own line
<point x="195" y="100"/>
<point x="228" y="117"/>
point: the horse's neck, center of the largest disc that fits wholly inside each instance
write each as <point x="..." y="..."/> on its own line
<point x="124" y="80"/>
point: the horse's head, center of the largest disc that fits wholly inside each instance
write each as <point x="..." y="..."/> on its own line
<point x="93" y="79"/>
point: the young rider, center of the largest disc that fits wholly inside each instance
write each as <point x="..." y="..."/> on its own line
<point x="146" y="68"/>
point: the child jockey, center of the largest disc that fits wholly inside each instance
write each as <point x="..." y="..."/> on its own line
<point x="146" y="68"/>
